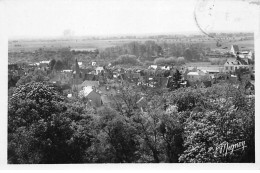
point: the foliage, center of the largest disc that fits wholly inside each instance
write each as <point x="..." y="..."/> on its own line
<point x="116" y="139"/>
<point x="183" y="125"/>
<point x="126" y="59"/>
<point x="33" y="76"/>
<point x="169" y="61"/>
<point x="218" y="62"/>
<point x="52" y="63"/>
<point x="42" y="128"/>
<point x="150" y="50"/>
<point x="58" y="65"/>
<point x="205" y="131"/>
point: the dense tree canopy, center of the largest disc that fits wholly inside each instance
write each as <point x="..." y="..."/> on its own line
<point x="33" y="76"/>
<point x="126" y="59"/>
<point x="183" y="125"/>
<point x="58" y="65"/>
<point x="43" y="128"/>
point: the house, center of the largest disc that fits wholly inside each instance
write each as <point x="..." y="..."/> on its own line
<point x="246" y="54"/>
<point x="107" y="90"/>
<point x="165" y="67"/>
<point x="233" y="78"/>
<point x="250" y="55"/>
<point x="198" y="75"/>
<point x="80" y="64"/>
<point x="66" y="71"/>
<point x="234" y="64"/>
<point x="234" y="49"/>
<point x="63" y="77"/>
<point x="94" y="98"/>
<point x="153" y="67"/>
<point x="45" y="62"/>
<point x="99" y="70"/>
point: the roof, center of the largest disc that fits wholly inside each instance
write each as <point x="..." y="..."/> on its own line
<point x="99" y="68"/>
<point x="193" y="73"/>
<point x="90" y="83"/>
<point x="238" y="61"/>
<point x="191" y="68"/>
<point x="233" y="62"/>
<point x="66" y="70"/>
<point x="86" y="91"/>
<point x="45" y="62"/>
<point x="153" y="66"/>
<point x="210" y="68"/>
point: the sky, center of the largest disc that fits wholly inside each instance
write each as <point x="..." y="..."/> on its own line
<point x="54" y="18"/>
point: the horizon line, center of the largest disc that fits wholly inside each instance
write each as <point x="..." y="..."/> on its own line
<point x="119" y="35"/>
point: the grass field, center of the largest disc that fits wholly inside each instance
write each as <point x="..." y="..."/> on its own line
<point x="243" y="45"/>
<point x="31" y="45"/>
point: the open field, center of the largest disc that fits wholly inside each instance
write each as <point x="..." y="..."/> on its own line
<point x="225" y="45"/>
<point x="32" y="45"/>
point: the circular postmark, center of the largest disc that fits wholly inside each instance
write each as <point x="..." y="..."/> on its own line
<point x="205" y="17"/>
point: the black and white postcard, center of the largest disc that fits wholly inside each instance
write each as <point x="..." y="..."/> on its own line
<point x="164" y="82"/>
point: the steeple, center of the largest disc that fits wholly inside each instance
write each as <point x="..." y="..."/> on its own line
<point x="77" y="67"/>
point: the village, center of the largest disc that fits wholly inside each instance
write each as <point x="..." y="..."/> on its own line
<point x="99" y="84"/>
<point x="143" y="82"/>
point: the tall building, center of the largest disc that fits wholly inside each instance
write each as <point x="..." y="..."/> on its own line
<point x="77" y="78"/>
<point x="234" y="49"/>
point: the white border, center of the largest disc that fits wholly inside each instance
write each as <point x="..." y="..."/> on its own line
<point x="109" y="167"/>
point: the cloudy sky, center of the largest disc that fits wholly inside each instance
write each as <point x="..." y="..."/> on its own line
<point x="50" y="18"/>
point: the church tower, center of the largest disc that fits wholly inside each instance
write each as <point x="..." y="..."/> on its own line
<point x="77" y="79"/>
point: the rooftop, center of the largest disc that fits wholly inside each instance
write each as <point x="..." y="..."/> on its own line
<point x="193" y="73"/>
<point x="90" y="83"/>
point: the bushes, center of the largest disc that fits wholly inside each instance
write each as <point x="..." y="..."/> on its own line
<point x="169" y="61"/>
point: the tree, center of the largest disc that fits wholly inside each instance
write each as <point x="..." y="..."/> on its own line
<point x="159" y="61"/>
<point x="116" y="140"/>
<point x="35" y="76"/>
<point x="219" y="121"/>
<point x="206" y="131"/>
<point x="180" y="60"/>
<point x="43" y="128"/>
<point x="188" y="55"/>
<point x="52" y="63"/>
<point x="126" y="59"/>
<point x="177" y="79"/>
<point x="165" y="61"/>
<point x="58" y="65"/>
<point x="66" y="57"/>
